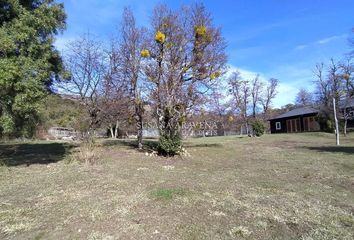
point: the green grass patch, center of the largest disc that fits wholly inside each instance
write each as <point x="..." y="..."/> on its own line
<point x="347" y="220"/>
<point x="167" y="193"/>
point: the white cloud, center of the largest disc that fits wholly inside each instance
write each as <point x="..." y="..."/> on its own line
<point x="300" y="47"/>
<point x="286" y="94"/>
<point x="330" y="39"/>
<point x="321" y="41"/>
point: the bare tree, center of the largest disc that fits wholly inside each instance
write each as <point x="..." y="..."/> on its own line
<point x="85" y="60"/>
<point x="333" y="88"/>
<point x="130" y="64"/>
<point x="241" y="92"/>
<point x="269" y="94"/>
<point x="336" y="121"/>
<point x="115" y="94"/>
<point x="256" y="88"/>
<point x="183" y="60"/>
<point x="347" y="69"/>
<point x="323" y="90"/>
<point x="335" y="80"/>
<point x="216" y="103"/>
<point x="304" y="97"/>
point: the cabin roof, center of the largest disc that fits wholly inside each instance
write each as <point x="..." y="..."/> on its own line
<point x="297" y="112"/>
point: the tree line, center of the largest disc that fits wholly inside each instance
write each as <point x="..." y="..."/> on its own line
<point x="334" y="80"/>
<point x="175" y="66"/>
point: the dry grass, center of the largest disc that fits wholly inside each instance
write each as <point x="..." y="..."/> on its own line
<point x="88" y="153"/>
<point x="296" y="186"/>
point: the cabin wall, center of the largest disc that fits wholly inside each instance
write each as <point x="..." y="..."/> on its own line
<point x="283" y="123"/>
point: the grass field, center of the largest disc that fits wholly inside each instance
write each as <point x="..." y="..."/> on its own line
<point x="297" y="186"/>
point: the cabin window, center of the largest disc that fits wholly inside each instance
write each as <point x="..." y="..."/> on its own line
<point x="277" y="125"/>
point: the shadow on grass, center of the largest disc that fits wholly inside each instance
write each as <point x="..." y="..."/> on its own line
<point x="203" y="145"/>
<point x="148" y="144"/>
<point x="333" y="149"/>
<point x="33" y="153"/>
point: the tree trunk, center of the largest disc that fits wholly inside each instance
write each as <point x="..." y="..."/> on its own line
<point x="140" y="140"/>
<point x="116" y="130"/>
<point x="140" y="132"/>
<point x="112" y="132"/>
<point x="246" y="124"/>
<point x="336" y="121"/>
<point x="345" y="127"/>
<point x="254" y="110"/>
<point x="204" y="129"/>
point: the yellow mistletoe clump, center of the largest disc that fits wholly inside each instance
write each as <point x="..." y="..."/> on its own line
<point x="169" y="45"/>
<point x="214" y="75"/>
<point x="200" y="30"/>
<point x="230" y="118"/>
<point x="346" y="76"/>
<point x="160" y="37"/>
<point x="182" y="119"/>
<point x="145" y="53"/>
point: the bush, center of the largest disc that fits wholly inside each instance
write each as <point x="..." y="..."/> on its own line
<point x="258" y="127"/>
<point x="7" y="124"/>
<point x="169" y="145"/>
<point x="87" y="153"/>
<point x="326" y="123"/>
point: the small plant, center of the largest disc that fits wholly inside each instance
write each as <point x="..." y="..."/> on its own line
<point x="240" y="231"/>
<point x="3" y="164"/>
<point x="87" y="152"/>
<point x="167" y="194"/>
<point x="258" y="127"/>
<point x="169" y="145"/>
<point x="346" y="220"/>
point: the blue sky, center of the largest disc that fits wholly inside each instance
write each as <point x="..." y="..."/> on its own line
<point x="283" y="39"/>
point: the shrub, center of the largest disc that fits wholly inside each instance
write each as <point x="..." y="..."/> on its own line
<point x="169" y="145"/>
<point x="258" y="127"/>
<point x="87" y="153"/>
<point x="326" y="124"/>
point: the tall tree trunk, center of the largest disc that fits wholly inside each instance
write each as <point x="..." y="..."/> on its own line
<point x="254" y="110"/>
<point x="345" y="126"/>
<point x="112" y="132"/>
<point x="116" y="130"/>
<point x="336" y="121"/>
<point x="204" y="129"/>
<point x="140" y="131"/>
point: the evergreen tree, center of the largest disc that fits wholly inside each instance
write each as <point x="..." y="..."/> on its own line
<point x="29" y="63"/>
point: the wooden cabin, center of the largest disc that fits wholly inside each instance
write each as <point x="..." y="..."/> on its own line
<point x="297" y="120"/>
